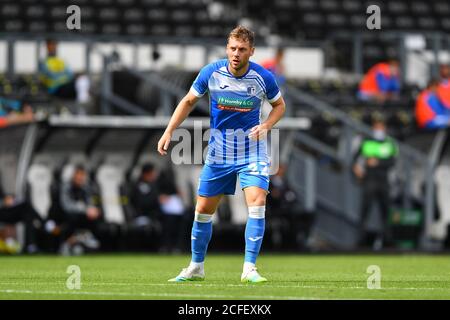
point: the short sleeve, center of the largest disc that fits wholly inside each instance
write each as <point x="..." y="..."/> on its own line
<point x="200" y="85"/>
<point x="272" y="90"/>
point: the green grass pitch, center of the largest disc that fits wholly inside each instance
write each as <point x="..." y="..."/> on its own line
<point x="290" y="277"/>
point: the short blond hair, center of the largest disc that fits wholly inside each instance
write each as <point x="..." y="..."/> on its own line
<point x="244" y="34"/>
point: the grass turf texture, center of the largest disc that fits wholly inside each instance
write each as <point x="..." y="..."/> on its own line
<point x="290" y="277"/>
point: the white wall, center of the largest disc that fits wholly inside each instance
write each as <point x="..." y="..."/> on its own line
<point x="300" y="62"/>
<point x="3" y="56"/>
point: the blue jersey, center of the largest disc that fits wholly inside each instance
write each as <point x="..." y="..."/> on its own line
<point x="235" y="108"/>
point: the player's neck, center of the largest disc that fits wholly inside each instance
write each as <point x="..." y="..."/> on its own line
<point x="240" y="72"/>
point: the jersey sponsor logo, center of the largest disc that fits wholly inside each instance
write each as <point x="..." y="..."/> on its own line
<point x="235" y="104"/>
<point x="224" y="86"/>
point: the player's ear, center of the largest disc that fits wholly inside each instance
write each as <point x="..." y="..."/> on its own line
<point x="252" y="51"/>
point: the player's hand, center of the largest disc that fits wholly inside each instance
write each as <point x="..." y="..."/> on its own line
<point x="92" y="213"/>
<point x="8" y="201"/>
<point x="359" y="171"/>
<point x="372" y="162"/>
<point x="163" y="143"/>
<point x="258" y="132"/>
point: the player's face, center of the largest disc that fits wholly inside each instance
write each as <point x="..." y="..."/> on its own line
<point x="239" y="53"/>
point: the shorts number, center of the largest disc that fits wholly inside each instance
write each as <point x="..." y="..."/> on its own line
<point x="259" y="169"/>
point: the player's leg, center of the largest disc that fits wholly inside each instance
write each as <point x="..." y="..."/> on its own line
<point x="200" y="236"/>
<point x="254" y="232"/>
<point x="202" y="227"/>
<point x="214" y="183"/>
<point x="255" y="183"/>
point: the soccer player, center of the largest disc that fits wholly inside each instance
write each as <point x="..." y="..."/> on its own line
<point x="237" y="88"/>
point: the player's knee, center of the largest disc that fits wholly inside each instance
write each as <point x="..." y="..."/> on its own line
<point x="257" y="200"/>
<point x="201" y="208"/>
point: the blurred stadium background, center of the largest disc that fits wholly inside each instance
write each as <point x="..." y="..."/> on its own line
<point x="141" y="56"/>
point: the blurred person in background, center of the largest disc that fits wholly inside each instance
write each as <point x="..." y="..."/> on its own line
<point x="282" y="198"/>
<point x="285" y="212"/>
<point x="80" y="213"/>
<point x="276" y="66"/>
<point x="375" y="157"/>
<point x="381" y="82"/>
<point x="144" y="197"/>
<point x="173" y="211"/>
<point x="14" y="112"/>
<point x="13" y="211"/>
<point x="431" y="114"/>
<point x="59" y="79"/>
<point x="444" y="85"/>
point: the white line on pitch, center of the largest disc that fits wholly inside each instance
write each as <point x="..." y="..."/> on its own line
<point x="189" y="284"/>
<point x="167" y="295"/>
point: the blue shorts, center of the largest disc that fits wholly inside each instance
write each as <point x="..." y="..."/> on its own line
<point x="220" y="179"/>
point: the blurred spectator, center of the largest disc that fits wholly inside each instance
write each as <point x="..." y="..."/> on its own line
<point x="444" y="85"/>
<point x="290" y="224"/>
<point x="12" y="212"/>
<point x="276" y="66"/>
<point x="381" y="82"/>
<point x="12" y="112"/>
<point x="373" y="161"/>
<point x="281" y="198"/>
<point x="59" y="79"/>
<point x="173" y="210"/>
<point x="80" y="213"/>
<point x="430" y="111"/>
<point x="144" y="197"/>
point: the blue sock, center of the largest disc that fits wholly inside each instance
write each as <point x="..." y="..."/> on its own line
<point x="254" y="233"/>
<point x="200" y="236"/>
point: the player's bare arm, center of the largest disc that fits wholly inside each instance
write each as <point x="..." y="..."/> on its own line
<point x="277" y="112"/>
<point x="179" y="115"/>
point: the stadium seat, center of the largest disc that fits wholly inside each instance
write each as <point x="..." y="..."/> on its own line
<point x="420" y="8"/>
<point x="307" y="5"/>
<point x="40" y="181"/>
<point x="445" y="24"/>
<point x="14" y="25"/>
<point x="151" y="3"/>
<point x="109" y="14"/>
<point x="405" y="22"/>
<point x="427" y="23"/>
<point x="35" y="12"/>
<point x="157" y="14"/>
<point x="37" y="26"/>
<point x="329" y="5"/>
<point x="442" y="8"/>
<point x="133" y="15"/>
<point x="136" y="29"/>
<point x="11" y="11"/>
<point x="352" y="6"/>
<point x="109" y="178"/>
<point x="111" y="28"/>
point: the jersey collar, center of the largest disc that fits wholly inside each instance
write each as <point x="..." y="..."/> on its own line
<point x="240" y="77"/>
